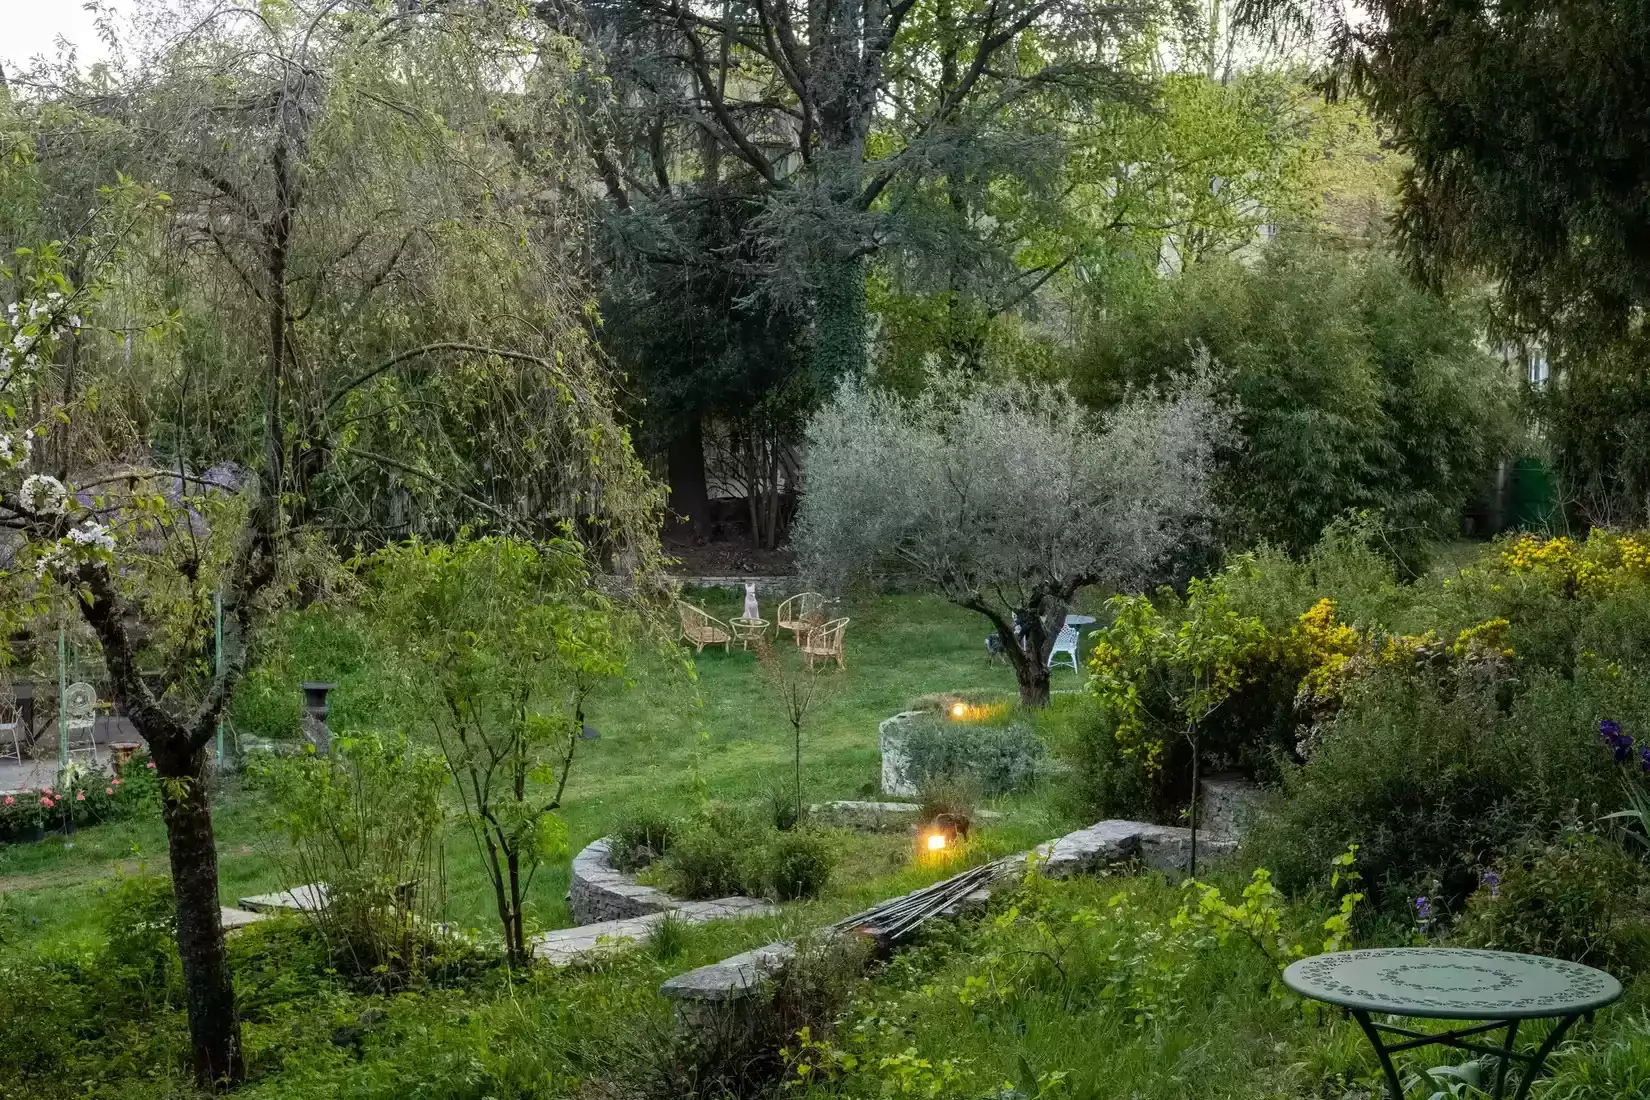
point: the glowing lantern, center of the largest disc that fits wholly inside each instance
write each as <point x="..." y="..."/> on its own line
<point x="959" y="709"/>
<point x="936" y="842"/>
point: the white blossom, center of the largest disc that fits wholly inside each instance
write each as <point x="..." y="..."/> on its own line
<point x="94" y="535"/>
<point x="44" y="495"/>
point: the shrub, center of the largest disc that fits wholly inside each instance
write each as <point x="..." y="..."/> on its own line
<point x="367" y="821"/>
<point x="141" y="959"/>
<point x="640" y="839"/>
<point x="1433" y="773"/>
<point x="1001" y="759"/>
<point x="715" y="857"/>
<point x="952" y="798"/>
<point x="798" y="865"/>
<point x="1581" y="898"/>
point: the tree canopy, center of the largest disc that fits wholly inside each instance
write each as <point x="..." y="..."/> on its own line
<point x="1010" y="496"/>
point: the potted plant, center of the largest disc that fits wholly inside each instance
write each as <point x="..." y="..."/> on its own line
<point x="23" y="815"/>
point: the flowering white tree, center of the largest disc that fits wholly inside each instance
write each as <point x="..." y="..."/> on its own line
<point x="1008" y="497"/>
<point x="340" y="277"/>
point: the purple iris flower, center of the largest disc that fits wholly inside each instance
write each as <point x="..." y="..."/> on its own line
<point x="1619" y="744"/>
<point x="1493" y="881"/>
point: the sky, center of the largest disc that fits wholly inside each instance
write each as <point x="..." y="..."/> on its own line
<point x="30" y="27"/>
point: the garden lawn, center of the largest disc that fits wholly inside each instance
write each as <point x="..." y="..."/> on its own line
<point x="668" y="740"/>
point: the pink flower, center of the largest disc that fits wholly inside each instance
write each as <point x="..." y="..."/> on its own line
<point x="117" y="780"/>
<point x="10" y="800"/>
<point x="80" y="797"/>
<point x="108" y="790"/>
<point x="150" y="765"/>
<point x="46" y="802"/>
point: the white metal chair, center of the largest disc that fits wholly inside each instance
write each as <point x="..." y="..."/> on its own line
<point x="1065" y="642"/>
<point x="11" y="725"/>
<point x="80" y="718"/>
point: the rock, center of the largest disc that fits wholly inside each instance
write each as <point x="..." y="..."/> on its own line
<point x="891" y="735"/>
<point x="564" y="946"/>
<point x="1226" y="805"/>
<point x="234" y="919"/>
<point x="730" y="979"/>
<point x="1088" y="850"/>
<point x="1168" y="848"/>
<point x="874" y="816"/>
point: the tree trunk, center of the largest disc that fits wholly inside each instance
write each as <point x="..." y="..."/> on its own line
<point x="1033" y="677"/>
<point x="685" y="466"/>
<point x="839" y="323"/>
<point x="214" y="1026"/>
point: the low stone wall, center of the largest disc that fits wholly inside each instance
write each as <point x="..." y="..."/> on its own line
<point x="698" y="994"/>
<point x="600" y="893"/>
<point x="765" y="586"/>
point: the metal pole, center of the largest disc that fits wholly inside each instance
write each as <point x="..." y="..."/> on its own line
<point x="217" y="662"/>
<point x="62" y="698"/>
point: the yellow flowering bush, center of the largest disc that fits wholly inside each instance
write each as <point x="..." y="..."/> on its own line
<point x="1187" y="668"/>
<point x="1603" y="563"/>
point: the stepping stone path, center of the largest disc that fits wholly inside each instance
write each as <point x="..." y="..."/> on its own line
<point x="299" y="899"/>
<point x="565" y="946"/>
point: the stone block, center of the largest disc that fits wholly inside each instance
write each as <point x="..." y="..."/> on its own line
<point x="1087" y="850"/>
<point x="891" y="736"/>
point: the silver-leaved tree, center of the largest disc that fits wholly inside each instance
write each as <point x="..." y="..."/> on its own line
<point x="1008" y="497"/>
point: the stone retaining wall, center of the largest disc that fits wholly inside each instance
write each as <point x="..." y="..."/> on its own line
<point x="600" y="893"/>
<point x="699" y="994"/>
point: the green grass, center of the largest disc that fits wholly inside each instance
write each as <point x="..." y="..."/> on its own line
<point x="665" y="740"/>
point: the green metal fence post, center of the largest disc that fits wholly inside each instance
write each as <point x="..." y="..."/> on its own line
<point x="62" y="698"/>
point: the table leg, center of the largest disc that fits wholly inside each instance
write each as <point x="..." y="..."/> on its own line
<point x="1506" y="1056"/>
<point x="1394" y="1086"/>
<point x="1541" y="1053"/>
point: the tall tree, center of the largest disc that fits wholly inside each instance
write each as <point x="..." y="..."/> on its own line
<point x="848" y="127"/>
<point x="350" y="260"/>
<point x="1531" y="169"/>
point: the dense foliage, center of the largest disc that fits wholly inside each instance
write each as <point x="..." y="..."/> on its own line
<point x="1355" y="389"/>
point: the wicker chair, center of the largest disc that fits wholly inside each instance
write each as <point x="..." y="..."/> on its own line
<point x="801" y="613"/>
<point x="701" y="629"/>
<point x="825" y="642"/>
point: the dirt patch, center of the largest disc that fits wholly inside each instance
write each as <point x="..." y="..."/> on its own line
<point x="68" y="876"/>
<point x="728" y="558"/>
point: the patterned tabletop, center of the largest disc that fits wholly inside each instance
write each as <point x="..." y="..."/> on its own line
<point x="1452" y="983"/>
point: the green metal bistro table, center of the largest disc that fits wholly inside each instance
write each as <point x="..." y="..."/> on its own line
<point x="1449" y="983"/>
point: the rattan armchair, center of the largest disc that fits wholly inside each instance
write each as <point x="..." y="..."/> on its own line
<point x="702" y="629"/>
<point x="801" y="613"/>
<point x="825" y="642"/>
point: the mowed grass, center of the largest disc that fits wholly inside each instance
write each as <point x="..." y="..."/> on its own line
<point x="668" y="739"/>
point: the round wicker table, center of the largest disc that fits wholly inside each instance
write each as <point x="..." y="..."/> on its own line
<point x="1448" y="983"/>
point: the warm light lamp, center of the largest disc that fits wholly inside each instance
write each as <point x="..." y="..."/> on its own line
<point x="959" y="709"/>
<point x="936" y="842"/>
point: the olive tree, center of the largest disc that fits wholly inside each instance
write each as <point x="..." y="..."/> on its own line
<point x="1008" y="497"/>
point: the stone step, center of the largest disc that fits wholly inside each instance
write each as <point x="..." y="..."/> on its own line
<point x="299" y="899"/>
<point x="564" y="946"/>
<point x="236" y="919"/>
